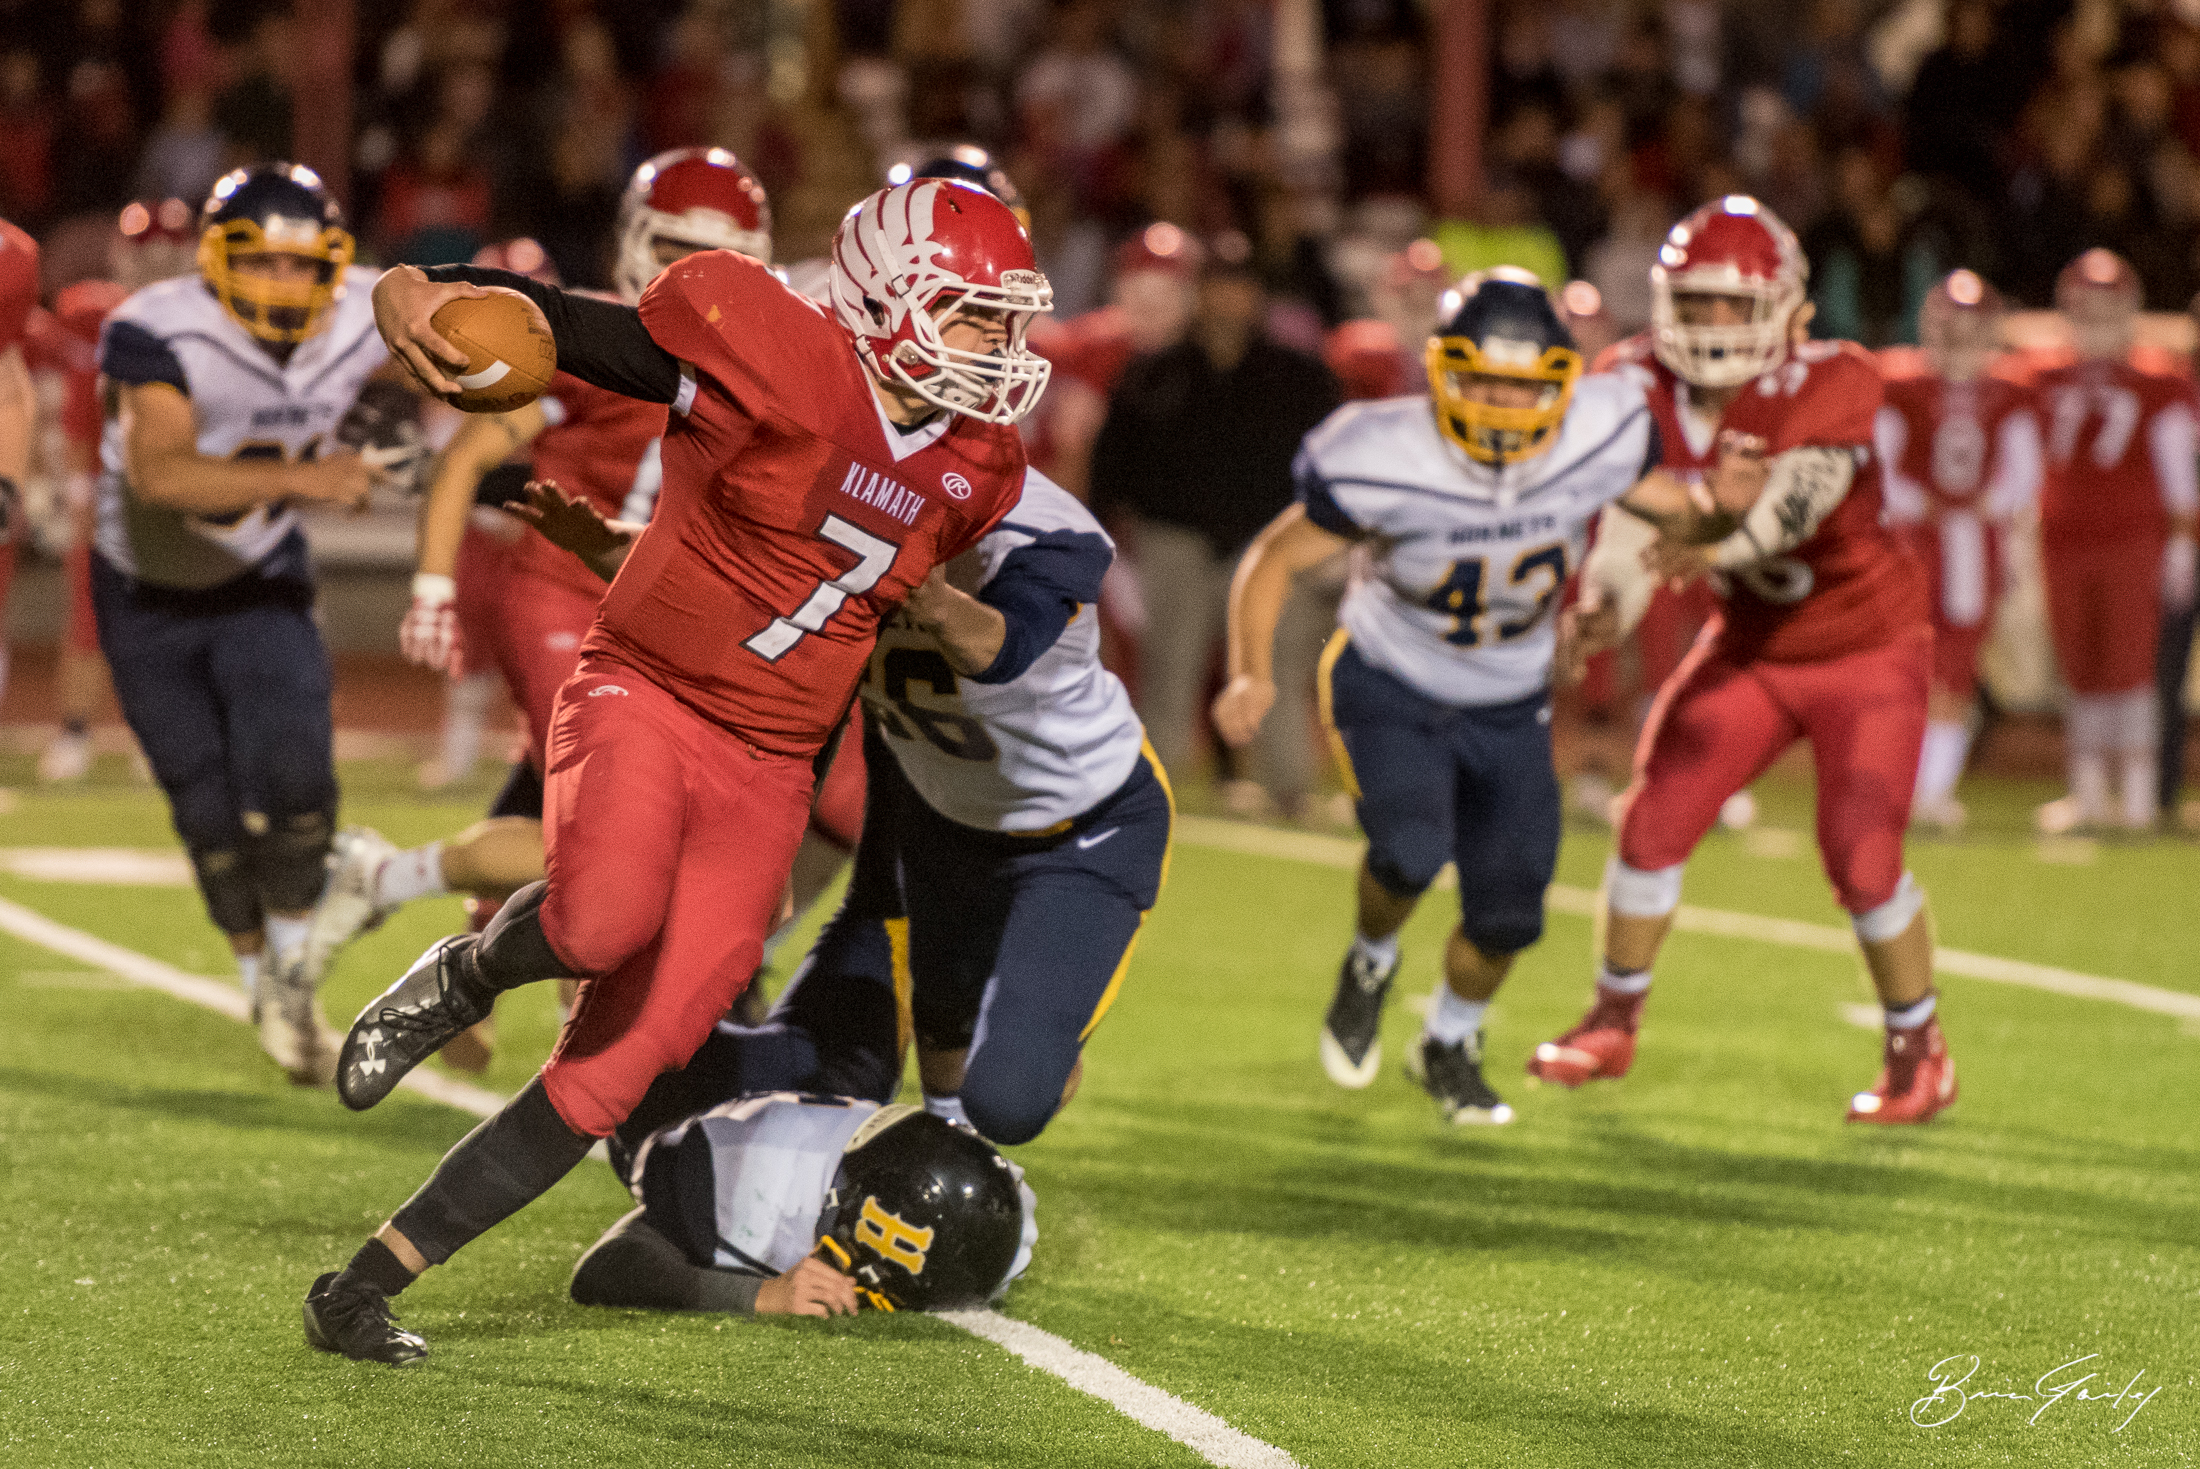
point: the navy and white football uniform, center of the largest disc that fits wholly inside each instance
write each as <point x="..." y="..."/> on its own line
<point x="207" y="621"/>
<point x="741" y="1186"/>
<point x="1014" y="838"/>
<point x="1435" y="687"/>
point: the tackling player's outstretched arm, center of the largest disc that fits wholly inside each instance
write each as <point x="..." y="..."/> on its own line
<point x="165" y="467"/>
<point x="634" y="1265"/>
<point x="600" y="342"/>
<point x="429" y="634"/>
<point x="1288" y="545"/>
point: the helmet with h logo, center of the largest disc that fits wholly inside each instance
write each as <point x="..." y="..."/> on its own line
<point x="924" y="1214"/>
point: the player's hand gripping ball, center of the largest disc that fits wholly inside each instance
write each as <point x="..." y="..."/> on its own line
<point x="510" y="354"/>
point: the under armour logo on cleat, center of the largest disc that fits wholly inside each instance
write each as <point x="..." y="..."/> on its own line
<point x="1086" y="844"/>
<point x="371" y="1067"/>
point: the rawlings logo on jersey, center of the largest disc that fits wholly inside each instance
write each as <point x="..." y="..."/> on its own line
<point x="892" y="1237"/>
<point x="955" y="485"/>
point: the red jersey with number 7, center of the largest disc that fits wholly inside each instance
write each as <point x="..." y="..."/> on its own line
<point x="1851" y="584"/>
<point x="793" y="515"/>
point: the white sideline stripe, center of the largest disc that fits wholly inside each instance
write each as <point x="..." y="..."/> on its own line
<point x="124" y="866"/>
<point x="197" y="989"/>
<point x="1324" y="851"/>
<point x="1141" y="1402"/>
<point x="1148" y="1406"/>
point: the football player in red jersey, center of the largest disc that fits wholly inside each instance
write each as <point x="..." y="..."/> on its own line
<point x="1823" y="635"/>
<point x="18" y="402"/>
<point x="2116" y="539"/>
<point x="526" y="606"/>
<point x="818" y="470"/>
<point x="1959" y="456"/>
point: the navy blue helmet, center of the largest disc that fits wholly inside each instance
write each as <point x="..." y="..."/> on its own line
<point x="967" y="163"/>
<point x="273" y="209"/>
<point x="1500" y="328"/>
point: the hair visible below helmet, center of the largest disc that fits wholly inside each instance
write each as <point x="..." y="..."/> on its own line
<point x="913" y="248"/>
<point x="1499" y="324"/>
<point x="702" y="198"/>
<point x="1731" y="247"/>
<point x="1959" y="326"/>
<point x="274" y="209"/>
<point x="925" y="1215"/>
<point x="2098" y="294"/>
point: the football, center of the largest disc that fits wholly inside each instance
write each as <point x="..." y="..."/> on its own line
<point x="510" y="354"/>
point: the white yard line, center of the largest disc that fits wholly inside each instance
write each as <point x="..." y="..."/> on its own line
<point x="125" y="866"/>
<point x="1141" y="1402"/>
<point x="1342" y="852"/>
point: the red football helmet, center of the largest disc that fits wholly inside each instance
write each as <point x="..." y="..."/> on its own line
<point x="155" y="240"/>
<point x="909" y="250"/>
<point x="2098" y="293"/>
<point x="1733" y="247"/>
<point x="694" y="199"/>
<point x="1959" y="326"/>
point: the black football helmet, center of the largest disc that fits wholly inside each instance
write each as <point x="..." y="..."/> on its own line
<point x="274" y="209"/>
<point x="967" y="163"/>
<point x="924" y="1214"/>
<point x="1500" y="323"/>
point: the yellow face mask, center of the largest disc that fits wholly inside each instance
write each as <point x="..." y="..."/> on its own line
<point x="1487" y="432"/>
<point x="275" y="311"/>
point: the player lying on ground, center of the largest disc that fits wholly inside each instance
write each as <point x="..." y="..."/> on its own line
<point x="805" y="1205"/>
<point x="1959" y="456"/>
<point x="1016" y="836"/>
<point x="227" y="396"/>
<point x="1824" y="636"/>
<point x="1474" y="506"/>
<point x="816" y="469"/>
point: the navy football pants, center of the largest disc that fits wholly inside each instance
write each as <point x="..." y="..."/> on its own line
<point x="230" y="700"/>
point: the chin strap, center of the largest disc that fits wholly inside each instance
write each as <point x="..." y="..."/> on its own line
<point x="833" y="1253"/>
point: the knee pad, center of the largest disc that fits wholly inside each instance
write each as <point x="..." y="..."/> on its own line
<point x="1010" y="1104"/>
<point x="1501" y="934"/>
<point x="1892" y="918"/>
<point x="1394" y="879"/>
<point x="1634" y="893"/>
<point x="290" y="857"/>
<point x="226" y="883"/>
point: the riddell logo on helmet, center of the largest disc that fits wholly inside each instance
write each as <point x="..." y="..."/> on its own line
<point x="1022" y="279"/>
<point x="955" y="485"/>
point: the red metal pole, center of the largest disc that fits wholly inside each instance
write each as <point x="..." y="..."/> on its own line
<point x="321" y="93"/>
<point x="1459" y="91"/>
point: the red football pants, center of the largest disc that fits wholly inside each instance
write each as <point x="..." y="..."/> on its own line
<point x="2104" y="605"/>
<point x="669" y="839"/>
<point x="1717" y="725"/>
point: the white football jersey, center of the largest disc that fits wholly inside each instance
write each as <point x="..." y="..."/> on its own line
<point x="773" y="1157"/>
<point x="1048" y="744"/>
<point x="1456" y="581"/>
<point x="246" y="405"/>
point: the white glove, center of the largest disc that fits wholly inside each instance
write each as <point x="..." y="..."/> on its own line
<point x="2178" y="571"/>
<point x="429" y="634"/>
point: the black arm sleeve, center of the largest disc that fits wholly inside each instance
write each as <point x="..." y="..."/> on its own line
<point x="600" y="342"/>
<point x="635" y="1266"/>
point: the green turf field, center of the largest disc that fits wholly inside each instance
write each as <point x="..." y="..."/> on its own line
<point x="1699" y="1265"/>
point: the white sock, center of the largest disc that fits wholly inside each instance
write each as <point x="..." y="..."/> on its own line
<point x="1940" y="761"/>
<point x="1451" y="1019"/>
<point x="248" y="974"/>
<point x="416" y="872"/>
<point x="286" y="937"/>
<point x="949" y="1107"/>
<point x="2139" y="777"/>
<point x="1623" y="981"/>
<point x="465" y="713"/>
<point x="1381" y="953"/>
<point x="1911" y="1016"/>
<point x="2089" y="783"/>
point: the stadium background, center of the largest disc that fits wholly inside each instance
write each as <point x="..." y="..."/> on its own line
<point x="1899" y="139"/>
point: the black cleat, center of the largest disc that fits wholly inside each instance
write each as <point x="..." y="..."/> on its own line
<point x="409" y="1022"/>
<point x="356" y="1322"/>
<point x="1453" y="1076"/>
<point x="1352" y="1040"/>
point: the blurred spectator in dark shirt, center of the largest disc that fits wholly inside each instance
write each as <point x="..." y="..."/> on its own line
<point x="1871" y="266"/>
<point x="1961" y="106"/>
<point x="435" y="202"/>
<point x="185" y="154"/>
<point x="26" y="139"/>
<point x="1195" y="455"/>
<point x="254" y="111"/>
<point x="1527" y="146"/>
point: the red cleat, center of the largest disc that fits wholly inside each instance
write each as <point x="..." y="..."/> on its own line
<point x="1919" y="1079"/>
<point x="1602" y="1045"/>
